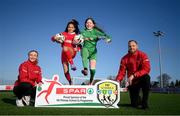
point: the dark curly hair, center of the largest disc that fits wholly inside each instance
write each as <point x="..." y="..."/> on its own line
<point x="75" y="23"/>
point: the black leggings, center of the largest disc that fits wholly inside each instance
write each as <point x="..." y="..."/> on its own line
<point x="24" y="89"/>
<point x="134" y="90"/>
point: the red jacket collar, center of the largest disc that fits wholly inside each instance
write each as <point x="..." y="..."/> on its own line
<point x="33" y="63"/>
<point x="134" y="54"/>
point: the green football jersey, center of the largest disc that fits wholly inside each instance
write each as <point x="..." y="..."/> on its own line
<point x="94" y="35"/>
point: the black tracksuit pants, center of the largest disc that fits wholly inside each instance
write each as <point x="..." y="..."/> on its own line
<point x="24" y="89"/>
<point x="134" y="91"/>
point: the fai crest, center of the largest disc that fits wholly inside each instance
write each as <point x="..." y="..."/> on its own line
<point x="108" y="93"/>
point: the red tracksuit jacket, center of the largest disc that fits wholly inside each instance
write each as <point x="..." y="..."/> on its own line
<point x="136" y="64"/>
<point x="29" y="72"/>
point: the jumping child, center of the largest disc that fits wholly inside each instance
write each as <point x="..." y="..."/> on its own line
<point x="91" y="34"/>
<point x="69" y="49"/>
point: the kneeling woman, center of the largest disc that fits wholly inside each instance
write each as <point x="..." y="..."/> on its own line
<point x="28" y="78"/>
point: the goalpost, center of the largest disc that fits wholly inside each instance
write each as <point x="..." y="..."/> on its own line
<point x="82" y="80"/>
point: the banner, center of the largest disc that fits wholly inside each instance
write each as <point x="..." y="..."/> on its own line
<point x="104" y="94"/>
<point x="6" y="87"/>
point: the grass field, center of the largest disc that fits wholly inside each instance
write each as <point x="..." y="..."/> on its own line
<point x="162" y="104"/>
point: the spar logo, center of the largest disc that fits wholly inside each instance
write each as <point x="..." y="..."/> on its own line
<point x="107" y="93"/>
<point x="74" y="91"/>
<point x="70" y="90"/>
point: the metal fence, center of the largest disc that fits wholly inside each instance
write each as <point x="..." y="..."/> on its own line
<point x="165" y="90"/>
<point x="6" y="82"/>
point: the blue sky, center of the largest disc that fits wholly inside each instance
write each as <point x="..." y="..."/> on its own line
<point x="29" y="24"/>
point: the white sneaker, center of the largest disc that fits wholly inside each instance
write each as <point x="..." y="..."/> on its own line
<point x="26" y="100"/>
<point x="19" y="103"/>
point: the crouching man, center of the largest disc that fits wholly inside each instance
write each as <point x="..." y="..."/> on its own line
<point x="137" y="65"/>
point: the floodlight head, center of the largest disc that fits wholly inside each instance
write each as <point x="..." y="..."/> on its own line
<point x="158" y="34"/>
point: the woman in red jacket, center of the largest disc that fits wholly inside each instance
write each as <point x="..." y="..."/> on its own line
<point x="29" y="76"/>
<point x="69" y="48"/>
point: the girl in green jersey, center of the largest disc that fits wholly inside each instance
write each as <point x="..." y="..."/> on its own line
<point x="91" y="34"/>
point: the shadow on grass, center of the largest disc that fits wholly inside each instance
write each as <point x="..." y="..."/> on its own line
<point x="124" y="105"/>
<point x="9" y="101"/>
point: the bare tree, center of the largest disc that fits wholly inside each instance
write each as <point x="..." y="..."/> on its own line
<point x="165" y="79"/>
<point x="110" y="77"/>
<point x="172" y="85"/>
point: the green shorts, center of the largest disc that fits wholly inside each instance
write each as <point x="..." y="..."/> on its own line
<point x="90" y="54"/>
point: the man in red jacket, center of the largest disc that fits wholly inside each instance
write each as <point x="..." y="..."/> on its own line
<point x="137" y="65"/>
<point x="29" y="76"/>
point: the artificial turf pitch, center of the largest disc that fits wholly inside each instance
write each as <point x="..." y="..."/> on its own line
<point x="159" y="104"/>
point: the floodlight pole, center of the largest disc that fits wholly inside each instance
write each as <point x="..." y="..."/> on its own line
<point x="159" y="35"/>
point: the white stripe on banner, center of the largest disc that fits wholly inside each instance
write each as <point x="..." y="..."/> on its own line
<point x="6" y="87"/>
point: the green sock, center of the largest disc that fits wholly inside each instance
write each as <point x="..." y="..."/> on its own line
<point x="92" y="72"/>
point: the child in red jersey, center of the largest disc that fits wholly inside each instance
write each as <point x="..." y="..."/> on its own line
<point x="69" y="49"/>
